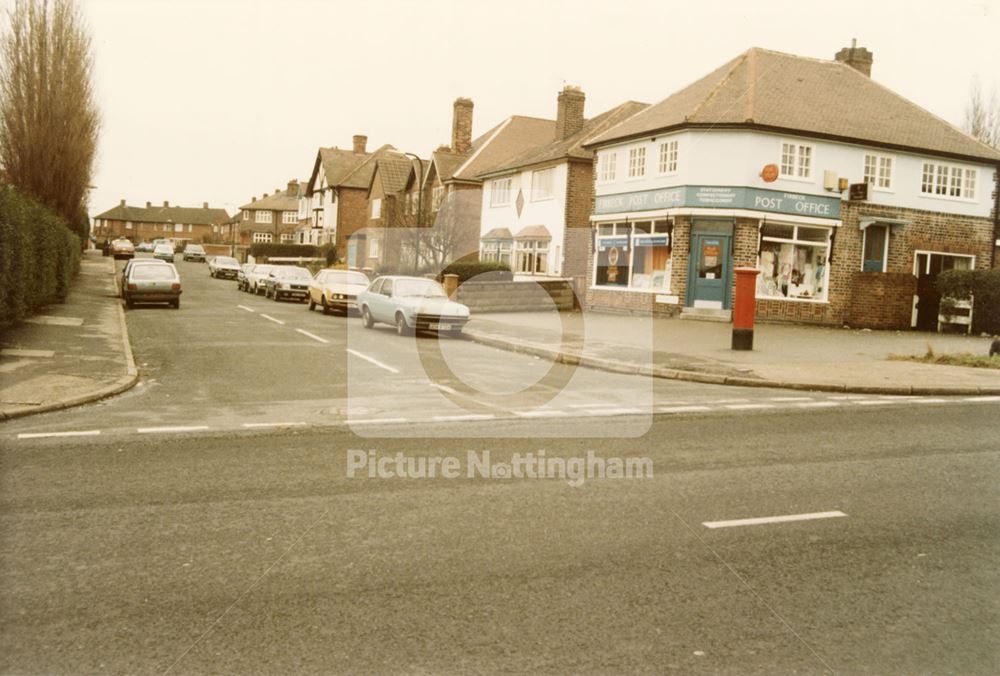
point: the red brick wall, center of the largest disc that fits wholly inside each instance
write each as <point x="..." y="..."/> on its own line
<point x="579" y="204"/>
<point x="352" y="215"/>
<point x="882" y="300"/>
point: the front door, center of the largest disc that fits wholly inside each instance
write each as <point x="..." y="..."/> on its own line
<point x="709" y="272"/>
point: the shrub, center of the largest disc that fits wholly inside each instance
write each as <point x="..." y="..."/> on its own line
<point x="984" y="285"/>
<point x="272" y="250"/>
<point x="39" y="256"/>
<point x="492" y="271"/>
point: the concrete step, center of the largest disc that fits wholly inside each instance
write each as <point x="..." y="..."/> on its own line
<point x="707" y="314"/>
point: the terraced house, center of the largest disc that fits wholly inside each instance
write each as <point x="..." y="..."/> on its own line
<point x="847" y="198"/>
<point x="139" y="224"/>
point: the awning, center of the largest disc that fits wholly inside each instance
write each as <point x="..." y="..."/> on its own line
<point x="893" y="223"/>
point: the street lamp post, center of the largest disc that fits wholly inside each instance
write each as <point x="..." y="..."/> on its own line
<point x="420" y="208"/>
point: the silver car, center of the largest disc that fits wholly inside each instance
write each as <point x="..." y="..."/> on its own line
<point x="411" y="304"/>
<point x="153" y="284"/>
<point x="223" y="267"/>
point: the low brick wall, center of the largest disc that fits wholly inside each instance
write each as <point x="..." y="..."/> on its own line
<point x="516" y="296"/>
<point x="882" y="300"/>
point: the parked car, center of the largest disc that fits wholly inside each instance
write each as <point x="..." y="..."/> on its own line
<point x="153" y="284"/>
<point x="194" y="252"/>
<point x="144" y="247"/>
<point x="256" y="276"/>
<point x="122" y="248"/>
<point x="336" y="290"/>
<point x="411" y="304"/>
<point x="241" y="276"/>
<point x="164" y="252"/>
<point x="131" y="264"/>
<point x="287" y="281"/>
<point x="223" y="266"/>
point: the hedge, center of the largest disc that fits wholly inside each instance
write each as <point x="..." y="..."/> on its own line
<point x="39" y="256"/>
<point x="272" y="250"/>
<point x="984" y="285"/>
<point x="492" y="271"/>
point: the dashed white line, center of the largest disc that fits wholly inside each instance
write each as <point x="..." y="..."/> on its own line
<point x="372" y="360"/>
<point x="469" y="416"/>
<point x="272" y="319"/>
<point x="313" y="336"/>
<point x="248" y="309"/>
<point x="181" y="428"/>
<point x="772" y="519"/>
<point x="982" y="398"/>
<point x="789" y="399"/>
<point x="748" y="407"/>
<point x="875" y="402"/>
<point x="42" y="435"/>
<point x="682" y="409"/>
<point x="16" y="352"/>
<point x="273" y="424"/>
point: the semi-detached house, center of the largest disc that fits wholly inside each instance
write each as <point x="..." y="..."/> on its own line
<point x="144" y="224"/>
<point x="848" y="198"/>
<point x="272" y="218"/>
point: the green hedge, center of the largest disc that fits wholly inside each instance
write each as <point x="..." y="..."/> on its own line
<point x="39" y="256"/>
<point x="272" y="250"/>
<point x="493" y="271"/>
<point x="985" y="286"/>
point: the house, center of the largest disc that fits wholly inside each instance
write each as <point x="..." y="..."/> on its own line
<point x="847" y="198"/>
<point x="272" y="218"/>
<point x="392" y="210"/>
<point x="535" y="211"/>
<point x="337" y="191"/>
<point x="147" y="223"/>
<point x="453" y="184"/>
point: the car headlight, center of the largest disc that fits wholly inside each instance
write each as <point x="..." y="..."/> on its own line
<point x="282" y="285"/>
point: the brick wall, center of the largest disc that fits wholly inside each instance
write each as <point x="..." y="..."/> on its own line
<point x="882" y="300"/>
<point x="579" y="203"/>
<point x="352" y="215"/>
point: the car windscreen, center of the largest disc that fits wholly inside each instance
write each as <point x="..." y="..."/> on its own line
<point x="194" y="248"/>
<point x="152" y="273"/>
<point x="224" y="260"/>
<point x="292" y="273"/>
<point x="419" y="287"/>
<point x="164" y="248"/>
<point x="346" y="277"/>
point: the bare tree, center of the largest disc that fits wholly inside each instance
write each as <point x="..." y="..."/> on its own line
<point x="49" y="120"/>
<point x="982" y="116"/>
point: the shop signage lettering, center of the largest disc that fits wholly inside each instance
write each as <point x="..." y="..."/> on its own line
<point x="605" y="243"/>
<point x="819" y="206"/>
<point x="655" y="240"/>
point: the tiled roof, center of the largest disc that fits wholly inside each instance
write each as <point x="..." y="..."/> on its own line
<point x="533" y="232"/>
<point x="185" y="215"/>
<point x="498" y="233"/>
<point x="279" y="201"/>
<point x="813" y="96"/>
<point x="514" y="136"/>
<point x="394" y="171"/>
<point x="337" y="163"/>
<point x="361" y="175"/>
<point x="446" y="162"/>
<point x="572" y="146"/>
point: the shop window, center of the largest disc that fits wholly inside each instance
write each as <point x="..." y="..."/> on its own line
<point x="876" y="248"/>
<point x="793" y="262"/>
<point x="634" y="256"/>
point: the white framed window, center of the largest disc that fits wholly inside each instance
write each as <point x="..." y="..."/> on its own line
<point x="637" y="162"/>
<point x="633" y="256"/>
<point x="668" y="157"/>
<point x="498" y="250"/>
<point x="261" y="216"/>
<point x="128" y="225"/>
<point x="606" y="165"/>
<point x="190" y="228"/>
<point x="437" y="197"/>
<point x="289" y="217"/>
<point x="542" y="185"/>
<point x="215" y="228"/>
<point x="178" y="227"/>
<point x="948" y="180"/>
<point x="377" y="207"/>
<point x="531" y="256"/>
<point x="500" y="192"/>
<point x="793" y="262"/>
<point x="796" y="161"/>
<point x="261" y="237"/>
<point x="373" y="248"/>
<point x="288" y="238"/>
<point x="878" y="171"/>
<point x="246" y="215"/>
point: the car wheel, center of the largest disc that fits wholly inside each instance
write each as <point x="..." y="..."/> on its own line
<point x="176" y="304"/>
<point x="401" y="327"/>
<point x="326" y="308"/>
<point x="366" y="318"/>
<point x="312" y="303"/>
<point x="129" y="303"/>
<point x="275" y="296"/>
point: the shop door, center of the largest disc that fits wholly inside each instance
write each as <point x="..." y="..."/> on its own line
<point x="709" y="271"/>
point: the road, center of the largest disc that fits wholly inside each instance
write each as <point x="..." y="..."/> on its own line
<point x="206" y="521"/>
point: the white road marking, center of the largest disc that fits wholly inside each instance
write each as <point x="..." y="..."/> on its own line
<point x="469" y="416"/>
<point x="682" y="409"/>
<point x="929" y="400"/>
<point x="850" y="397"/>
<point x="372" y="360"/>
<point x="772" y="519"/>
<point x="728" y="401"/>
<point x="748" y="407"/>
<point x="313" y="336"/>
<point x="615" y="411"/>
<point x="444" y="388"/>
<point x="272" y="319"/>
<point x="248" y="309"/>
<point x="818" y="404"/>
<point x="375" y="421"/>
<point x="274" y="424"/>
<point x="42" y="435"/>
<point x="875" y="402"/>
<point x="182" y="428"/>
<point x="541" y="413"/>
<point x="982" y="398"/>
<point x="14" y="352"/>
<point x="789" y="398"/>
<point x="52" y="320"/>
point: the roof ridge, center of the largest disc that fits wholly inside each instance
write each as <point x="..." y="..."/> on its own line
<point x="499" y="128"/>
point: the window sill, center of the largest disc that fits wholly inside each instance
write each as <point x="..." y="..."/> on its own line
<point x="814" y="301"/>
<point x="797" y="179"/>
<point x="949" y="198"/>
<point x="665" y="292"/>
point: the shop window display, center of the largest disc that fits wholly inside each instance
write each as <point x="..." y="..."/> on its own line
<point x="793" y="262"/>
<point x="634" y="256"/>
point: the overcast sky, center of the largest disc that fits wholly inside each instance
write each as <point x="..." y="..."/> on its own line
<point x="221" y="100"/>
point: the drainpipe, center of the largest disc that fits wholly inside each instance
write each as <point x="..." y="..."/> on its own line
<point x="996" y="216"/>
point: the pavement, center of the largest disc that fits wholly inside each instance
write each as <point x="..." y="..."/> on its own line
<point x="78" y="351"/>
<point x="70" y="353"/>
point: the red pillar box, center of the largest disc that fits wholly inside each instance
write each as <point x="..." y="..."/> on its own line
<point x="744" y="308"/>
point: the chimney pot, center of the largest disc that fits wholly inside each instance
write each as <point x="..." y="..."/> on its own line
<point x="858" y="58"/>
<point x="569" y="112"/>
<point x="360" y="141"/>
<point x="461" y="125"/>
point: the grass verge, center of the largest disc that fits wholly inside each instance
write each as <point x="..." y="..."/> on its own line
<point x="980" y="361"/>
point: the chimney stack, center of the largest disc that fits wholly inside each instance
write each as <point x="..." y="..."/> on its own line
<point x="293" y="188"/>
<point x="360" y="141"/>
<point x="858" y="58"/>
<point x="461" y="126"/>
<point x="204" y="205"/>
<point x="122" y="203"/>
<point x="166" y="203"/>
<point x="149" y="204"/>
<point x="569" y="114"/>
<point x="254" y="198"/>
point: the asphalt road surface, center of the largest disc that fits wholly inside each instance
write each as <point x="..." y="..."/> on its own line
<point x="207" y="522"/>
